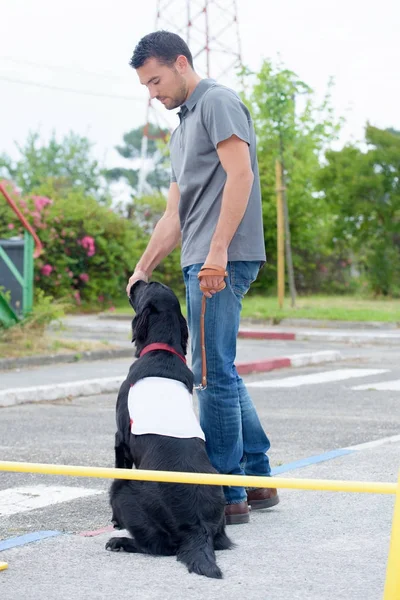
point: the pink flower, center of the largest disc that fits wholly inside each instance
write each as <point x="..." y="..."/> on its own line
<point x="46" y="270"/>
<point x="112" y="308"/>
<point x="87" y="242"/>
<point x="84" y="277"/>
<point x="11" y="226"/>
<point x="70" y="274"/>
<point x="77" y="297"/>
<point x="101" y="298"/>
<point x="40" y="202"/>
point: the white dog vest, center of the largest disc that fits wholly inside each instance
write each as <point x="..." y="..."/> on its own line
<point x="163" y="406"/>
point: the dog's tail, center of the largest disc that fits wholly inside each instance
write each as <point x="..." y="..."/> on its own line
<point x="197" y="553"/>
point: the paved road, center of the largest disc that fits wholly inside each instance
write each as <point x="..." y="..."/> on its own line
<point x="247" y="350"/>
<point x="313" y="545"/>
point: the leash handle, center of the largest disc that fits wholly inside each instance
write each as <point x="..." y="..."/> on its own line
<point x="207" y="270"/>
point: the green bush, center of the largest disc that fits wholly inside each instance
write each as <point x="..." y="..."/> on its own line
<point x="89" y="251"/>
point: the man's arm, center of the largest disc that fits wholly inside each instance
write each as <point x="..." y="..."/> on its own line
<point x="165" y="237"/>
<point x="234" y="155"/>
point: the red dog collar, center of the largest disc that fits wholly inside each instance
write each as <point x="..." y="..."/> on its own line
<point x="161" y="346"/>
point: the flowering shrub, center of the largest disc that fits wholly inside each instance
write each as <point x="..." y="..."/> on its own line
<point x="89" y="251"/>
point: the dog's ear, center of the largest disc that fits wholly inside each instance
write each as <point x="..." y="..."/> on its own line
<point x="184" y="333"/>
<point x="135" y="292"/>
<point x="140" y="325"/>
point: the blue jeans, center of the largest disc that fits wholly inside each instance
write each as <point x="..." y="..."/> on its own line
<point x="235" y="440"/>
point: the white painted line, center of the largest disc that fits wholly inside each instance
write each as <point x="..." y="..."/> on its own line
<point x="391" y="386"/>
<point x="57" y="391"/>
<point x="386" y="440"/>
<point x="335" y="335"/>
<point x="21" y="499"/>
<point x="315" y="378"/>
<point x="314" y="358"/>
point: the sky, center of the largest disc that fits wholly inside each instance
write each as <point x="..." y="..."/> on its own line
<point x="85" y="45"/>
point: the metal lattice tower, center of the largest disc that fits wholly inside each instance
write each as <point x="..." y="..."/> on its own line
<point x="211" y="30"/>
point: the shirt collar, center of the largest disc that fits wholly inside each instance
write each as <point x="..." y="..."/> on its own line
<point x="195" y="96"/>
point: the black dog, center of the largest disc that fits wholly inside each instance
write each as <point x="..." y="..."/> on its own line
<point x="185" y="520"/>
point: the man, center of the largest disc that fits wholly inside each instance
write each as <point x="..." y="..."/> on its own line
<point x="214" y="207"/>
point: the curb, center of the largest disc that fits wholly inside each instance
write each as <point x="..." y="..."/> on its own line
<point x="387" y="338"/>
<point x="60" y="391"/>
<point x="90" y="387"/>
<point x="118" y="328"/>
<point x="289" y="322"/>
<point x="51" y="359"/>
<point x="266" y="335"/>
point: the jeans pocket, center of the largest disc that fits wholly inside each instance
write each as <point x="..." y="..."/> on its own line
<point x="242" y="275"/>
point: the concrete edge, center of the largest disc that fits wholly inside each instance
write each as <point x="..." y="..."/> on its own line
<point x="389" y="338"/>
<point x="90" y="387"/>
<point x="289" y="322"/>
<point x="50" y="359"/>
<point x="384" y="336"/>
<point x="260" y="334"/>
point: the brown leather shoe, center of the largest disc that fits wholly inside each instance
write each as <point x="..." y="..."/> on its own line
<point x="236" y="514"/>
<point x="262" y="498"/>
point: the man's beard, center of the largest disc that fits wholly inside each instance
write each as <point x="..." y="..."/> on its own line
<point x="181" y="95"/>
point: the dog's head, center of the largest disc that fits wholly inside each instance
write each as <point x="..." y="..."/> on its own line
<point x="158" y="315"/>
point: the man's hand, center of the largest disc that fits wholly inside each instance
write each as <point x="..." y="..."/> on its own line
<point x="137" y="275"/>
<point x="218" y="258"/>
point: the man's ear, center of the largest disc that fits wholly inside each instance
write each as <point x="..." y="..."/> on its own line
<point x="140" y="325"/>
<point x="184" y="333"/>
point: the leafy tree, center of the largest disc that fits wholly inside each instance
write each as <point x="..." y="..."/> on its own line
<point x="158" y="176"/>
<point x="362" y="189"/>
<point x="291" y="125"/>
<point x="67" y="162"/>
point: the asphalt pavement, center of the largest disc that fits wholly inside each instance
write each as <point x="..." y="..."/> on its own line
<point x="313" y="545"/>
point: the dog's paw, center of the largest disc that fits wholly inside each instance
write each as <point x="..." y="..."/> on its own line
<point x="115" y="544"/>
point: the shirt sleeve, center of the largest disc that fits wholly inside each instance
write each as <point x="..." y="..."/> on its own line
<point x="225" y="115"/>
<point x="173" y="176"/>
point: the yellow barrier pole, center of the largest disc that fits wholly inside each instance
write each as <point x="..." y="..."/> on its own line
<point x="392" y="584"/>
<point x="201" y="478"/>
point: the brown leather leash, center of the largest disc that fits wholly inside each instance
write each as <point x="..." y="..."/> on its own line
<point x="206" y="271"/>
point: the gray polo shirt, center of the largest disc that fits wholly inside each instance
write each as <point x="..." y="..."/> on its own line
<point x="213" y="113"/>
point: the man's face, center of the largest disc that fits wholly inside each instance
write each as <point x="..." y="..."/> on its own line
<point x="165" y="83"/>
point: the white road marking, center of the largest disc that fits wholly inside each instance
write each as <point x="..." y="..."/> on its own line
<point x="315" y="358"/>
<point x="392" y="386"/>
<point x="386" y="440"/>
<point x="21" y="499"/>
<point x="315" y="378"/>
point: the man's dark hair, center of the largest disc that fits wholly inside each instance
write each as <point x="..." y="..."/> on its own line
<point x="162" y="45"/>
